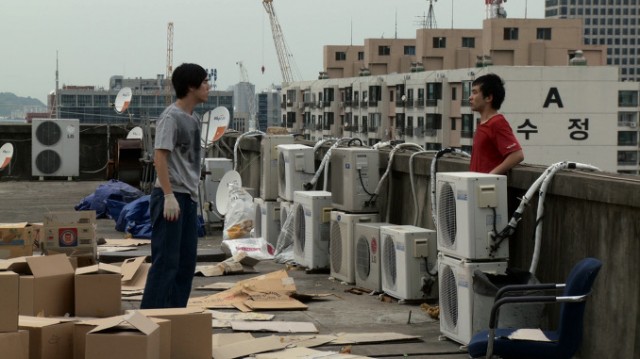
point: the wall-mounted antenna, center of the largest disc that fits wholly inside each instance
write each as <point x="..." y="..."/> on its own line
<point x="396" y="34"/>
<point x="431" y="16"/>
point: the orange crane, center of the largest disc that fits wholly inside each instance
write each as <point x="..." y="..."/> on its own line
<point x="285" y="58"/>
<point x="167" y="85"/>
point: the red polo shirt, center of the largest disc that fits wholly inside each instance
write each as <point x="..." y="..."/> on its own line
<point x="492" y="142"/>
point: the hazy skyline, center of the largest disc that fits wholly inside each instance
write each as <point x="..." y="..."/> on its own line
<point x="96" y="40"/>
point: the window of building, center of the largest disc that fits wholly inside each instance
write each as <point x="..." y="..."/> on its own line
<point x="543" y="33"/>
<point x="469" y="42"/>
<point x="627" y="158"/>
<point x="466" y="92"/>
<point x="434" y="93"/>
<point x="360" y="55"/>
<point x="341" y="56"/>
<point x="410" y="50"/>
<point x="467" y="126"/>
<point x="384" y="50"/>
<point x="510" y="33"/>
<point x="439" y="42"/>
<point x="628" y="98"/>
<point x="454" y="122"/>
<point x="454" y="93"/>
<point x="433" y="146"/>
<point x="434" y="121"/>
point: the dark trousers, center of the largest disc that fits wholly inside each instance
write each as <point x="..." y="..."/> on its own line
<point x="173" y="253"/>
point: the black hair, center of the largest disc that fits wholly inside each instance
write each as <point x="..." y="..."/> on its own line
<point x="491" y="85"/>
<point x="186" y="76"/>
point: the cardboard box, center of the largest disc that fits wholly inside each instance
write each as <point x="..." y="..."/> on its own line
<point x="15" y="345"/>
<point x="165" y="337"/>
<point x="132" y="336"/>
<point x="46" y="286"/>
<point x="80" y="330"/>
<point x="9" y="299"/>
<point x="49" y="338"/>
<point x="190" y="331"/>
<point x="16" y="240"/>
<point x="98" y="291"/>
<point x="72" y="233"/>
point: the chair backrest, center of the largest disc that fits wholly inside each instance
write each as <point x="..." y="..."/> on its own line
<point x="579" y="282"/>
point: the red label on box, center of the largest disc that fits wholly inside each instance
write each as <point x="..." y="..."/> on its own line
<point x="68" y="237"/>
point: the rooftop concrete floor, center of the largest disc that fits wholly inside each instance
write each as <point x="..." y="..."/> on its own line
<point x="341" y="312"/>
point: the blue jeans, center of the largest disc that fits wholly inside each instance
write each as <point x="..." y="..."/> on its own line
<point x="173" y="253"/>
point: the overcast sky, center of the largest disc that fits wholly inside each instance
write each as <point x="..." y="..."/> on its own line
<point x="97" y="39"/>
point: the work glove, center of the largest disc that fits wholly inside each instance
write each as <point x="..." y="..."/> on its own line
<point x="171" y="207"/>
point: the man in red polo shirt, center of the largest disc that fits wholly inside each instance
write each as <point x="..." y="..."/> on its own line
<point x="495" y="148"/>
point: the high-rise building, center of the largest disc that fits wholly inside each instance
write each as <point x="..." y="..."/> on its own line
<point x="268" y="108"/>
<point x="613" y="23"/>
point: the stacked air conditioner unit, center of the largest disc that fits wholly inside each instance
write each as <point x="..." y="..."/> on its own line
<point x="296" y="166"/>
<point x="405" y="255"/>
<point x="55" y="147"/>
<point x="354" y="176"/>
<point x="311" y="228"/>
<point x="342" y="243"/>
<point x="267" y="220"/>
<point x="215" y="170"/>
<point x="471" y="207"/>
<point x="367" y="248"/>
<point x="269" y="165"/>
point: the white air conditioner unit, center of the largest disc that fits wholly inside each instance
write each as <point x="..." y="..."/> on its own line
<point x="296" y="166"/>
<point x="267" y="220"/>
<point x="470" y="206"/>
<point x="354" y="177"/>
<point x="342" y="243"/>
<point x="462" y="313"/>
<point x="367" y="247"/>
<point x="407" y="253"/>
<point x="285" y="210"/>
<point x="311" y="228"/>
<point x="269" y="164"/>
<point x="215" y="170"/>
<point x="55" y="147"/>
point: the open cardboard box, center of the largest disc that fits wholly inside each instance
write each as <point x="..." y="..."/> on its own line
<point x="9" y="299"/>
<point x="16" y="239"/>
<point x="49" y="338"/>
<point x="132" y="336"/>
<point x="190" y="331"/>
<point x="98" y="291"/>
<point x="72" y="233"/>
<point x="15" y="345"/>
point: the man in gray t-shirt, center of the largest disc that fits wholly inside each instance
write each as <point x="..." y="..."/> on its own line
<point x="173" y="203"/>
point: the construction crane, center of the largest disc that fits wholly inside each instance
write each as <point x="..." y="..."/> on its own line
<point x="285" y="58"/>
<point x="245" y="86"/>
<point x="167" y="84"/>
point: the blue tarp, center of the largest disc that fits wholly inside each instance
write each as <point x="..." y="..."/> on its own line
<point x="113" y="190"/>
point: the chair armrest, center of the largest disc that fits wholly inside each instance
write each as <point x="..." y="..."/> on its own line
<point x="526" y="287"/>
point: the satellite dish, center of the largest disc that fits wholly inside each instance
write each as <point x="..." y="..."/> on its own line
<point x="222" y="195"/>
<point x="6" y="153"/>
<point x="135" y="133"/>
<point x="218" y="120"/>
<point x="123" y="99"/>
<point x="403" y="98"/>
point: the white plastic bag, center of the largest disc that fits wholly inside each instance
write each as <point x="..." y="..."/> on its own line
<point x="238" y="222"/>
<point x="257" y="248"/>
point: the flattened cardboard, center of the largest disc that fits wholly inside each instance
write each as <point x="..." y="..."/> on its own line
<point x="306" y="353"/>
<point x="307" y="341"/>
<point x="218" y="340"/>
<point x="132" y="336"/>
<point x="15" y="345"/>
<point x="190" y="331"/>
<point x="134" y="273"/>
<point x="245" y="348"/>
<point x="98" y="291"/>
<point x="355" y="338"/>
<point x="16" y="240"/>
<point x="278" y="327"/>
<point x="49" y="290"/>
<point x="128" y="242"/>
<point x="9" y="301"/>
<point x="48" y="338"/>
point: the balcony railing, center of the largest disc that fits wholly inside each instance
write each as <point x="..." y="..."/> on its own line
<point x="364" y="129"/>
<point x="466" y="134"/>
<point x="373" y="129"/>
<point x="431" y="102"/>
<point x="347" y="103"/>
<point x="364" y="104"/>
<point x="464" y="102"/>
<point x="408" y="131"/>
<point x="430" y="132"/>
<point x="419" y="131"/>
<point x="419" y="102"/>
<point x="318" y="126"/>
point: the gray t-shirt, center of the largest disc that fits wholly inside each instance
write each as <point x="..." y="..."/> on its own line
<point x="179" y="132"/>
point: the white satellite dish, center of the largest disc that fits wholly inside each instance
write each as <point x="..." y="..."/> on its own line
<point x="6" y="153"/>
<point x="123" y="99"/>
<point x="218" y="120"/>
<point x="222" y="195"/>
<point x="135" y="133"/>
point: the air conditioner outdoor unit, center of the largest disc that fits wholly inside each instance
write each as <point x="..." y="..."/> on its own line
<point x="311" y="228"/>
<point x="55" y="147"/>
<point x="354" y="176"/>
<point x="215" y="170"/>
<point x="462" y="313"/>
<point x="406" y="251"/>
<point x="296" y="166"/>
<point x="269" y="164"/>
<point x="267" y="220"/>
<point x="470" y="206"/>
<point x="285" y="209"/>
<point x="367" y="247"/>
<point x="342" y="243"/>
